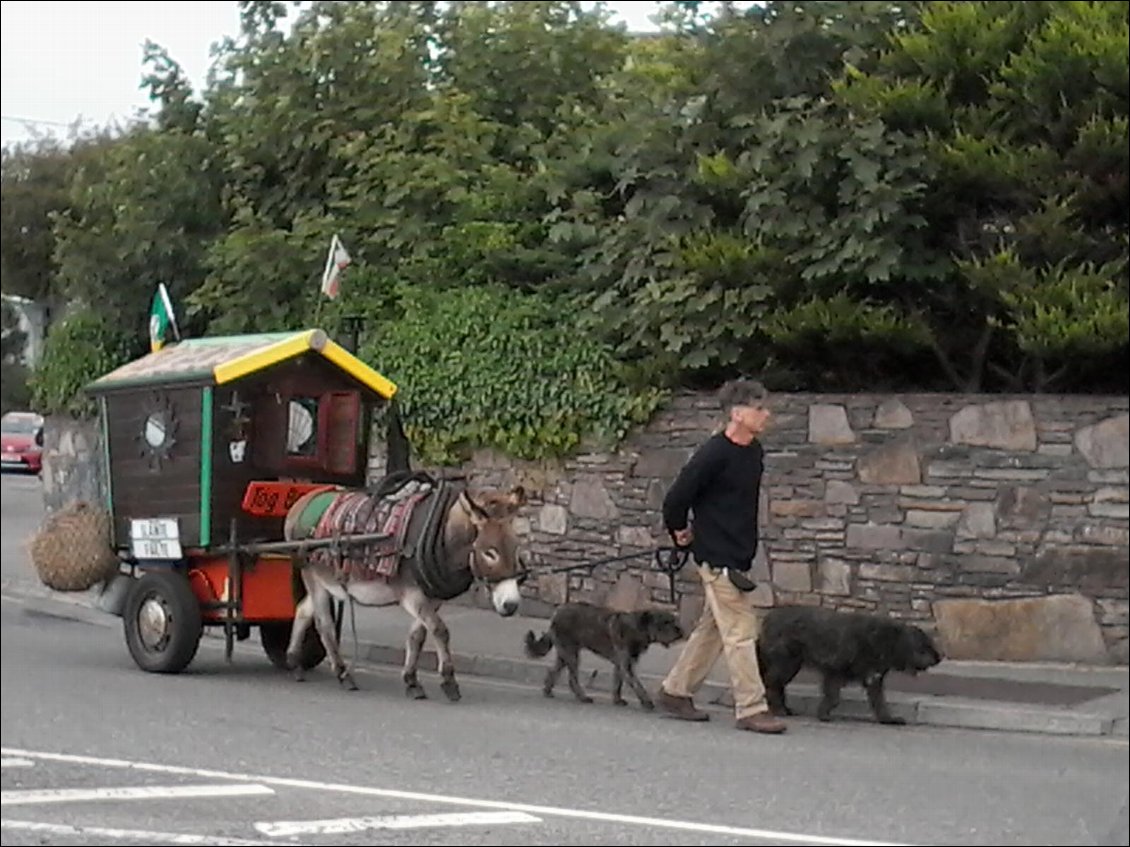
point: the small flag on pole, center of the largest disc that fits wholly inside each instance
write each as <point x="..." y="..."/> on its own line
<point x="337" y="261"/>
<point x="161" y="319"/>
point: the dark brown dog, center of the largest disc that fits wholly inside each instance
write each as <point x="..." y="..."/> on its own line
<point x="619" y="637"/>
<point x="844" y="647"/>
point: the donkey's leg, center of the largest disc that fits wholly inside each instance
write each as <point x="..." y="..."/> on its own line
<point x="412" y="650"/>
<point x="423" y="612"/>
<point x="326" y="626"/>
<point x="427" y="611"/>
<point x="303" y="619"/>
<point x="321" y="603"/>
<point x="442" y="637"/>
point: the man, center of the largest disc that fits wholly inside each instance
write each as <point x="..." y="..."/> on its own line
<point x="721" y="485"/>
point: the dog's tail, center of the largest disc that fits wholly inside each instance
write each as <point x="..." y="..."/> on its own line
<point x="537" y="647"/>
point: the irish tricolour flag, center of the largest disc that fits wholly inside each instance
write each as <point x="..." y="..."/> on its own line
<point x="161" y="319"/>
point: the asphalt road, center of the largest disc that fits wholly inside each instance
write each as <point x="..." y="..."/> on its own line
<point x="21" y="503"/>
<point x="96" y="751"/>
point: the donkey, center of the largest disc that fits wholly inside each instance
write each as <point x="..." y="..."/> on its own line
<point x="478" y="546"/>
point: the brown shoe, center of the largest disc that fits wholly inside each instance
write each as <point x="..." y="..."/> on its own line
<point x="680" y="707"/>
<point x="763" y="722"/>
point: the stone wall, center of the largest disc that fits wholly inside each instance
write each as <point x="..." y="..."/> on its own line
<point x="72" y="462"/>
<point x="999" y="522"/>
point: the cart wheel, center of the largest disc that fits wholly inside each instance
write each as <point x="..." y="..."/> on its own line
<point x="162" y="622"/>
<point x="276" y="639"/>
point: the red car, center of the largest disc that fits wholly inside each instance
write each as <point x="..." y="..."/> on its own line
<point x="22" y="445"/>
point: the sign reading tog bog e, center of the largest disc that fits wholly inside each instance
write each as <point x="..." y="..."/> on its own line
<point x="155" y="538"/>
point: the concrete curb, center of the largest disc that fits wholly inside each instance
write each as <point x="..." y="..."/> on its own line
<point x="803" y="699"/>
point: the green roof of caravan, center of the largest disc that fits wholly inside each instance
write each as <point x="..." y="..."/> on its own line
<point x="220" y="359"/>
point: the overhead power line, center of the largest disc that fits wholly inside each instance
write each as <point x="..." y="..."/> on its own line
<point x="19" y="120"/>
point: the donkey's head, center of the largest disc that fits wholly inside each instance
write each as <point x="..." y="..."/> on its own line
<point x="494" y="557"/>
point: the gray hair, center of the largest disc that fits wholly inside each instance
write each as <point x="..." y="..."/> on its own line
<point x="742" y="392"/>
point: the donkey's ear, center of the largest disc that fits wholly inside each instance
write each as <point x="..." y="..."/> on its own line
<point x="474" y="511"/>
<point x="517" y="497"/>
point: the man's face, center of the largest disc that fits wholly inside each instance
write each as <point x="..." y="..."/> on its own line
<point x="753" y="418"/>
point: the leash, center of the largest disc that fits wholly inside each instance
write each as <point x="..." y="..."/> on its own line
<point x="667" y="559"/>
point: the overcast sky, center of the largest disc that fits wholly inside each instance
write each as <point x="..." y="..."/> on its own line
<point x="67" y="61"/>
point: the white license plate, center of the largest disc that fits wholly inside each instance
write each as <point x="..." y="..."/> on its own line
<point x="143" y="549"/>
<point x="155" y="538"/>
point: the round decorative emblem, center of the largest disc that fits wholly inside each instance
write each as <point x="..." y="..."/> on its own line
<point x="158" y="430"/>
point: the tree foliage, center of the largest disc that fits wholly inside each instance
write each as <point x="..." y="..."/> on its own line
<point x="837" y="194"/>
<point x="83" y="346"/>
<point x="14" y="391"/>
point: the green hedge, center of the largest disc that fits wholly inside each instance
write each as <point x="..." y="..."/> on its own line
<point x="491" y="367"/>
<point x="79" y="350"/>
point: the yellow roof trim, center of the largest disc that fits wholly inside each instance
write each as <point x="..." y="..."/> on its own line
<point x="313" y="339"/>
<point x="272" y="354"/>
<point x="358" y="369"/>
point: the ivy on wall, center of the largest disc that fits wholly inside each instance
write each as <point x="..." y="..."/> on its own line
<point x="485" y="366"/>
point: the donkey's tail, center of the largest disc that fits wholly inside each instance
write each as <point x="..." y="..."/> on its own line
<point x="537" y="647"/>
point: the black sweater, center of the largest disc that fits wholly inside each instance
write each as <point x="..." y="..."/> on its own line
<point x="721" y="484"/>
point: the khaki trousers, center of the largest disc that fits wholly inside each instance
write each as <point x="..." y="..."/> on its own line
<point x="729" y="625"/>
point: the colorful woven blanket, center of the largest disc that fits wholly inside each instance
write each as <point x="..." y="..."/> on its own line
<point x="359" y="513"/>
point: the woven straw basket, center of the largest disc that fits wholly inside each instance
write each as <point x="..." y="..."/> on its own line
<point x="71" y="552"/>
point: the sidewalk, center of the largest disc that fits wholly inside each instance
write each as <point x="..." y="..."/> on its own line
<point x="1051" y="699"/>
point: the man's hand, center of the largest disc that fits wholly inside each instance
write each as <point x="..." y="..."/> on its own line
<point x="683" y="537"/>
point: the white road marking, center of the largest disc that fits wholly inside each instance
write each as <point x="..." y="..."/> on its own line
<point x="27" y="797"/>
<point x="339" y="826"/>
<point x="545" y="811"/>
<point x="142" y="835"/>
<point x="13" y="762"/>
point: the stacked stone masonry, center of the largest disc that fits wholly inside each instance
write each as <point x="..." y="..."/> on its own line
<point x="1000" y="523"/>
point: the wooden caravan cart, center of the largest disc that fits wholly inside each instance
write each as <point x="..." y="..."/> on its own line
<point x="207" y="443"/>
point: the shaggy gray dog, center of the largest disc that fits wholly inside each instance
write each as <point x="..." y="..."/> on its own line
<point x="844" y="647"/>
<point x="619" y="637"/>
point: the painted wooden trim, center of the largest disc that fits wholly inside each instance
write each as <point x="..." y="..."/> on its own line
<point x="107" y="465"/>
<point x="272" y="354"/>
<point x="206" y="467"/>
<point x="358" y="369"/>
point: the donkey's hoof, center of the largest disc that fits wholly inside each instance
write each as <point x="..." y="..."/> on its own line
<point x="451" y="690"/>
<point x="347" y="682"/>
<point x="299" y="673"/>
<point x="619" y="701"/>
<point x="415" y="691"/>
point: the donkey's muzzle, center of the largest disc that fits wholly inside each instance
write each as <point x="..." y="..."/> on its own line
<point x="506" y="597"/>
